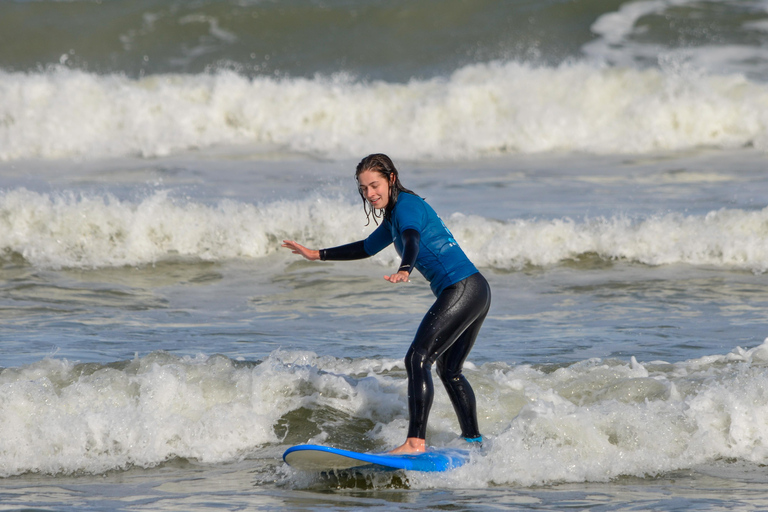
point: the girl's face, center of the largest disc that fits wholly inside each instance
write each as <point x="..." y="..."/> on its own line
<point x="375" y="188"/>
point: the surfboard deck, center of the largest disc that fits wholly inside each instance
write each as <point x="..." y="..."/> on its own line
<point x="311" y="457"/>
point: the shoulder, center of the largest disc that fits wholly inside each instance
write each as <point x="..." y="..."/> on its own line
<point x="407" y="201"/>
<point x="410" y="211"/>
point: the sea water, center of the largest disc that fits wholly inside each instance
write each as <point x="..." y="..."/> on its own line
<point x="602" y="163"/>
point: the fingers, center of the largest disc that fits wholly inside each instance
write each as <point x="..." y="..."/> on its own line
<point x="296" y="248"/>
<point x="293" y="246"/>
<point x="398" y="278"/>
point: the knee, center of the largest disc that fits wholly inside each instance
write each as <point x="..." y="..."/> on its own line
<point x="445" y="373"/>
<point x="416" y="359"/>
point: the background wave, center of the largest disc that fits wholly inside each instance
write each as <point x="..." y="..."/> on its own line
<point x="433" y="80"/>
<point x="479" y="110"/>
<point x="83" y="231"/>
<point x="391" y="40"/>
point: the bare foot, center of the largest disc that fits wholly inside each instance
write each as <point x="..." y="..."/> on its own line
<point x="411" y="445"/>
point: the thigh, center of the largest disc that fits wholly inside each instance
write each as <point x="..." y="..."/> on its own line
<point x="451" y="361"/>
<point x="438" y="328"/>
<point x="455" y="310"/>
<point x="478" y="302"/>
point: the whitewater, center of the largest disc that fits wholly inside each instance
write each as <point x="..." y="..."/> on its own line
<point x="79" y="231"/>
<point x="480" y="110"/>
<point x="592" y="421"/>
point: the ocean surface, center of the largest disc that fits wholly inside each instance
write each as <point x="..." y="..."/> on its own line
<point x="603" y="162"/>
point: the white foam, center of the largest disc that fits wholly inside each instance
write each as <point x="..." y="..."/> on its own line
<point x="62" y="418"/>
<point x="58" y="421"/>
<point x="592" y="421"/>
<point x="86" y="231"/>
<point x="615" y="27"/>
<point x="619" y="41"/>
<point x="71" y="230"/>
<point x="599" y="420"/>
<point x="491" y="108"/>
<point x="727" y="238"/>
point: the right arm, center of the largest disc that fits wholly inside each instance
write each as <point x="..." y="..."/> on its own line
<point x="378" y="240"/>
<point x="353" y="251"/>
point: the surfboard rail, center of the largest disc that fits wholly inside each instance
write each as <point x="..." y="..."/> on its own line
<point x="311" y="457"/>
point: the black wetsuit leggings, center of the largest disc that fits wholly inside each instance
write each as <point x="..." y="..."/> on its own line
<point x="446" y="335"/>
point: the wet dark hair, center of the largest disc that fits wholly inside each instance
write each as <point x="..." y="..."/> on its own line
<point x="382" y="164"/>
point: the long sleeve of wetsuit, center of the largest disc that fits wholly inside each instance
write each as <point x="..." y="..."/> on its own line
<point x="411" y="240"/>
<point x="353" y="251"/>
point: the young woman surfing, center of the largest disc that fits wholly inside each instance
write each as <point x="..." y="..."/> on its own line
<point x="449" y="329"/>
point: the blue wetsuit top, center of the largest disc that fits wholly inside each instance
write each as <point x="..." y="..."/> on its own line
<point x="440" y="259"/>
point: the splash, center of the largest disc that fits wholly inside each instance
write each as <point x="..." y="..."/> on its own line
<point x="593" y="420"/>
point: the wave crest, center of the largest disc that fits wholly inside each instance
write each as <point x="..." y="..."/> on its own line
<point x="81" y="231"/>
<point x="481" y="109"/>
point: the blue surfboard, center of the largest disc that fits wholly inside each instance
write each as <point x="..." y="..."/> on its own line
<point x="311" y="457"/>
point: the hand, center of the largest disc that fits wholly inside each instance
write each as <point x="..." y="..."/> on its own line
<point x="296" y="248"/>
<point x="400" y="277"/>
